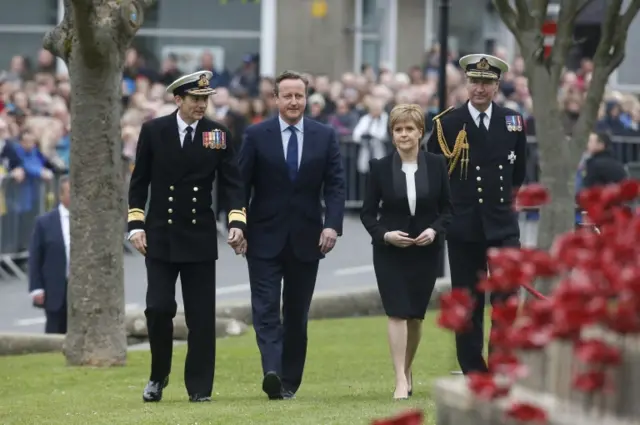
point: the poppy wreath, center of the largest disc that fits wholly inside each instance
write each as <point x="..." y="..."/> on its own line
<point x="581" y="343"/>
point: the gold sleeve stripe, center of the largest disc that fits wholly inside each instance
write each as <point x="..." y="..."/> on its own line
<point x="136" y="216"/>
<point x="238" y="215"/>
<point x="132" y="210"/>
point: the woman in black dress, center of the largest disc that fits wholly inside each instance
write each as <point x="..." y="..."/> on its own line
<point x="409" y="190"/>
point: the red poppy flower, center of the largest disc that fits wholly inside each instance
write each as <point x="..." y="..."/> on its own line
<point x="456" y="308"/>
<point x="629" y="190"/>
<point x="528" y="336"/>
<point x="540" y="312"/>
<point x="590" y="381"/>
<point x="505" y="313"/>
<point x="532" y="195"/>
<point x="412" y="417"/>
<point x="485" y="387"/>
<point x="597" y="352"/>
<point x="545" y="265"/>
<point x="525" y="412"/>
<point x="624" y="317"/>
<point x="507" y="363"/>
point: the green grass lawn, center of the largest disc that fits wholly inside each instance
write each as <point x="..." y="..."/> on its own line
<point x="348" y="381"/>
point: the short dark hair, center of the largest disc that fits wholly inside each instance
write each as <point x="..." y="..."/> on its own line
<point x="604" y="138"/>
<point x="290" y="75"/>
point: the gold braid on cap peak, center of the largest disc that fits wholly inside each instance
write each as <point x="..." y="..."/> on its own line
<point x="460" y="147"/>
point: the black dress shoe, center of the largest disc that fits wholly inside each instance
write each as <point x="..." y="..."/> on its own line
<point x="272" y="386"/>
<point x="411" y="389"/>
<point x="153" y="391"/>
<point x="196" y="398"/>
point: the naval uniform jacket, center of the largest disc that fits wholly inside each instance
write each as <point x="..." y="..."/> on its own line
<point x="483" y="192"/>
<point x="180" y="224"/>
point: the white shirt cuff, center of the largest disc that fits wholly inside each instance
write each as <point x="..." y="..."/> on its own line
<point x="133" y="232"/>
<point x="36" y="292"/>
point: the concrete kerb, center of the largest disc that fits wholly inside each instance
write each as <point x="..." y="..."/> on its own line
<point x="232" y="319"/>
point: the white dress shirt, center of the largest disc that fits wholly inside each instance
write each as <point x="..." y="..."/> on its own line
<point x="409" y="170"/>
<point x="66" y="232"/>
<point x="182" y="132"/>
<point x="286" y="135"/>
<point x="182" y="128"/>
<point x="475" y="114"/>
<point x="66" y="236"/>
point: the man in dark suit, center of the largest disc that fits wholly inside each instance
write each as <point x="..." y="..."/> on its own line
<point x="289" y="162"/>
<point x="179" y="155"/>
<point x="485" y="145"/>
<point x="49" y="263"/>
<point x="602" y="167"/>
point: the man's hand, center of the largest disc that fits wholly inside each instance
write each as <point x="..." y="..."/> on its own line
<point x="241" y="249"/>
<point x="426" y="237"/>
<point x="18" y="174"/>
<point x="139" y="242"/>
<point x="236" y="237"/>
<point x="328" y="239"/>
<point x="38" y="298"/>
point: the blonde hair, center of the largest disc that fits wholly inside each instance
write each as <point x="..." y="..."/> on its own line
<point x="407" y="112"/>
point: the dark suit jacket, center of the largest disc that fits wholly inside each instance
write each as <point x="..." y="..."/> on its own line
<point x="386" y="183"/>
<point x="602" y="169"/>
<point x="483" y="194"/>
<point x="180" y="224"/>
<point x="282" y="210"/>
<point x="48" y="260"/>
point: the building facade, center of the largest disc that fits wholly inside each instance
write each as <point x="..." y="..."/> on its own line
<point x="320" y="36"/>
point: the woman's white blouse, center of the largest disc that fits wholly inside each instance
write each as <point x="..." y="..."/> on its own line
<point x="409" y="170"/>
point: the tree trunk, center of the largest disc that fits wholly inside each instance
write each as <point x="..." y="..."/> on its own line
<point x="558" y="154"/>
<point x="92" y="40"/>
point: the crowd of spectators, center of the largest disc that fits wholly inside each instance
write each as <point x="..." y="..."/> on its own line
<point x="35" y="118"/>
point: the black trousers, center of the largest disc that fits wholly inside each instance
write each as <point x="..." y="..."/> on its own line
<point x="56" y="321"/>
<point x="467" y="260"/>
<point x="199" y="298"/>
<point x="282" y="344"/>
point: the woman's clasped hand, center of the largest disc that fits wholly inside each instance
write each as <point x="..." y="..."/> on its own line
<point x="402" y="239"/>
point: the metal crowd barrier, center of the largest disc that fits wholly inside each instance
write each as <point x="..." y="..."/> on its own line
<point x="626" y="149"/>
<point x="20" y="204"/>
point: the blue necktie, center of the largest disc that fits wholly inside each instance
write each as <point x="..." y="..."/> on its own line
<point x="292" y="153"/>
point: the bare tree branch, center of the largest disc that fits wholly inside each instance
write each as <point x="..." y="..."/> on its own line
<point x="539" y="12"/>
<point x="608" y="30"/>
<point x="508" y="16"/>
<point x="83" y="12"/>
<point x="58" y="40"/>
<point x="564" y="37"/>
<point x="525" y="20"/>
<point x="132" y="15"/>
<point x="620" y="36"/>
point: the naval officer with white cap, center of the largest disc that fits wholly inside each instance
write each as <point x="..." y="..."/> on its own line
<point x="485" y="145"/>
<point x="177" y="158"/>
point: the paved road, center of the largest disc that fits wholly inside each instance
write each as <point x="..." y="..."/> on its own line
<point x="347" y="267"/>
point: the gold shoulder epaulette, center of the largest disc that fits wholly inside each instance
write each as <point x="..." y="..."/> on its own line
<point x="460" y="151"/>
<point x="446" y="111"/>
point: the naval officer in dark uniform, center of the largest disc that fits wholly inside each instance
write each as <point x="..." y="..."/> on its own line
<point x="485" y="145"/>
<point x="179" y="155"/>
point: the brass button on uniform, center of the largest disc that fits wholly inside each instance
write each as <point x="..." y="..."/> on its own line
<point x="478" y="167"/>
<point x="501" y="178"/>
<point x="195" y="189"/>
<point x="479" y="178"/>
<point x="479" y="189"/>
<point x="170" y="198"/>
<point x="194" y="199"/>
<point x="500" y="167"/>
<point x="501" y="188"/>
<point x="193" y="210"/>
<point x="480" y="200"/>
<point x="501" y="200"/>
<point x="169" y="221"/>
<point x="170" y="210"/>
<point x="193" y="221"/>
<point x="171" y="188"/>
